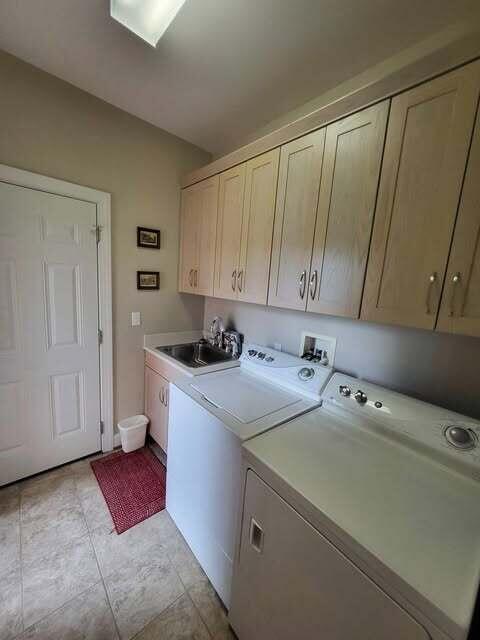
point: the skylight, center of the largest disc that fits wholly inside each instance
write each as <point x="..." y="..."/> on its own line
<point x="148" y="19"/>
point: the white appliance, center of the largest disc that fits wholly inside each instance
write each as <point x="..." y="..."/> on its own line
<point x="209" y="419"/>
<point x="365" y="513"/>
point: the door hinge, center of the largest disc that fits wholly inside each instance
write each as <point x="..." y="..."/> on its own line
<point x="100" y="336"/>
<point x="102" y="427"/>
<point x="97" y="230"/>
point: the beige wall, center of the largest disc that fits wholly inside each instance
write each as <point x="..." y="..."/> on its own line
<point x="49" y="127"/>
<point x="434" y="367"/>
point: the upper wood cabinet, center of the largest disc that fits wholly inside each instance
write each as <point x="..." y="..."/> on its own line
<point x="257" y="227"/>
<point x="244" y="229"/>
<point x="295" y="212"/>
<point x="198" y="222"/>
<point x="460" y="306"/>
<point x="346" y="204"/>
<point x="426" y="148"/>
<point x="229" y="231"/>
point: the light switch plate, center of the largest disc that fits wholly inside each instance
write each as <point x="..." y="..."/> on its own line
<point x="136" y="319"/>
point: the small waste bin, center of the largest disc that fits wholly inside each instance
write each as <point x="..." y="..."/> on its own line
<point x="132" y="432"/>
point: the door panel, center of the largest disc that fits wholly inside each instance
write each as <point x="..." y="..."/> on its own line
<point x="294" y="227"/>
<point x="156" y="406"/>
<point x="257" y="227"/>
<point x="188" y="239"/>
<point x="460" y="308"/>
<point x="291" y="582"/>
<point x="348" y="190"/>
<point x="206" y="236"/>
<point x="49" y="354"/>
<point x="229" y="231"/>
<point x="425" y="155"/>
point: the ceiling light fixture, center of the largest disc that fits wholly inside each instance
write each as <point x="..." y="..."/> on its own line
<point x="148" y="19"/>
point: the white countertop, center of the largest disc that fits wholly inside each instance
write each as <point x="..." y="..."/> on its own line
<point x="151" y="341"/>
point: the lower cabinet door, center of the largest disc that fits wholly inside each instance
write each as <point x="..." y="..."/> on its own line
<point x="291" y="582"/>
<point x="156" y="406"/>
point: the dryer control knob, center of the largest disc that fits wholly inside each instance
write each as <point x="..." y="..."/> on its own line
<point x="460" y="437"/>
<point x="360" y="397"/>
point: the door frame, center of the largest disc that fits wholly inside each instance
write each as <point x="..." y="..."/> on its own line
<point x="102" y="201"/>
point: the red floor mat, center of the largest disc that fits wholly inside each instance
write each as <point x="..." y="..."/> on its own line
<point x="133" y="485"/>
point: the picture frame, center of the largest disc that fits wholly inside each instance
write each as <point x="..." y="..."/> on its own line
<point x="148" y="280"/>
<point x="148" y="238"/>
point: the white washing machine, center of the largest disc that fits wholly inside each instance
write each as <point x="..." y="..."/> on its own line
<point x="209" y="419"/>
<point x="361" y="519"/>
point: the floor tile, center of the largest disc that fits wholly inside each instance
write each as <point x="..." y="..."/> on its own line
<point x="114" y="551"/>
<point x="9" y="546"/>
<point x="49" y="497"/>
<point x="86" y="617"/>
<point x="180" y="621"/>
<point x="46" y="476"/>
<point x="52" y="530"/>
<point x="183" y="560"/>
<point x="10" y="604"/>
<point x="50" y="581"/>
<point x="91" y="498"/>
<point x="9" y="504"/>
<point x="211" y="609"/>
<point x="140" y="590"/>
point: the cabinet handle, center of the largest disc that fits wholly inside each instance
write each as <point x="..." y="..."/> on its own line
<point x="302" y="283"/>
<point x="190" y="278"/>
<point x="160" y="395"/>
<point x="234" y="279"/>
<point x="455" y="281"/>
<point x="195" y="278"/>
<point x="432" y="278"/>
<point x="313" y="284"/>
<point x="240" y="280"/>
<point x="165" y="397"/>
<point x="256" y="535"/>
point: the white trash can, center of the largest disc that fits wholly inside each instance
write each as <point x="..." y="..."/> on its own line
<point x="132" y="432"/>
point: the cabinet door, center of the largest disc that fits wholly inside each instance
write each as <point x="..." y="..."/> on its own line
<point x="346" y="204"/>
<point x="156" y="406"/>
<point x="207" y="225"/>
<point x="188" y="239"/>
<point x="460" y="308"/>
<point x="229" y="230"/>
<point x="294" y="227"/>
<point x="257" y="227"/>
<point x="426" y="150"/>
<point x="291" y="582"/>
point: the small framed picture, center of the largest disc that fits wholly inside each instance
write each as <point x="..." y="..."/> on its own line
<point x="148" y="238"/>
<point x="148" y="280"/>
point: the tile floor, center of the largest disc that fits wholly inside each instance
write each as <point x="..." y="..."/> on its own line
<point x="65" y="574"/>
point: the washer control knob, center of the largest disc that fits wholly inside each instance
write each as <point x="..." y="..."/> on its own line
<point x="306" y="373"/>
<point x="344" y="390"/>
<point x="460" y="437"/>
<point x="360" y="397"/>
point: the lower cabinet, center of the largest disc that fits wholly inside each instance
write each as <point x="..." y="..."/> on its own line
<point x="156" y="406"/>
<point x="291" y="582"/>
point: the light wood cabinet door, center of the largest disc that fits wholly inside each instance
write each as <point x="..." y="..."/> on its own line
<point x="188" y="239"/>
<point x="346" y="204"/>
<point x="156" y="406"/>
<point x="257" y="227"/>
<point x="294" y="227"/>
<point x="198" y="222"/>
<point x="229" y="231"/>
<point x="460" y="308"/>
<point x="426" y="150"/>
<point x="207" y="226"/>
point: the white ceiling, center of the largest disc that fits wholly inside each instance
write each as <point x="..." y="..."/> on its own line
<point x="224" y="67"/>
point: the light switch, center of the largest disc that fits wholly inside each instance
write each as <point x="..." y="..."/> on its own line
<point x="136" y="319"/>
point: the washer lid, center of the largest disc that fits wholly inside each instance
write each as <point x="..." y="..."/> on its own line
<point x="242" y="395"/>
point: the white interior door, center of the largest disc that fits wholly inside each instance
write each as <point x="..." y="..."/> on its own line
<point x="49" y="352"/>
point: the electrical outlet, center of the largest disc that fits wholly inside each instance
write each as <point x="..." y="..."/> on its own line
<point x="318" y="346"/>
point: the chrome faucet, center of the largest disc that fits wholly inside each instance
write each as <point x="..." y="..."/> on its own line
<point x="217" y="330"/>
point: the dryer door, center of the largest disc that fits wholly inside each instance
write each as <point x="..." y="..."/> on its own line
<point x="291" y="582"/>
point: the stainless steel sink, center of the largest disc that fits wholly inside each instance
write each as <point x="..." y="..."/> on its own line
<point x="196" y="354"/>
